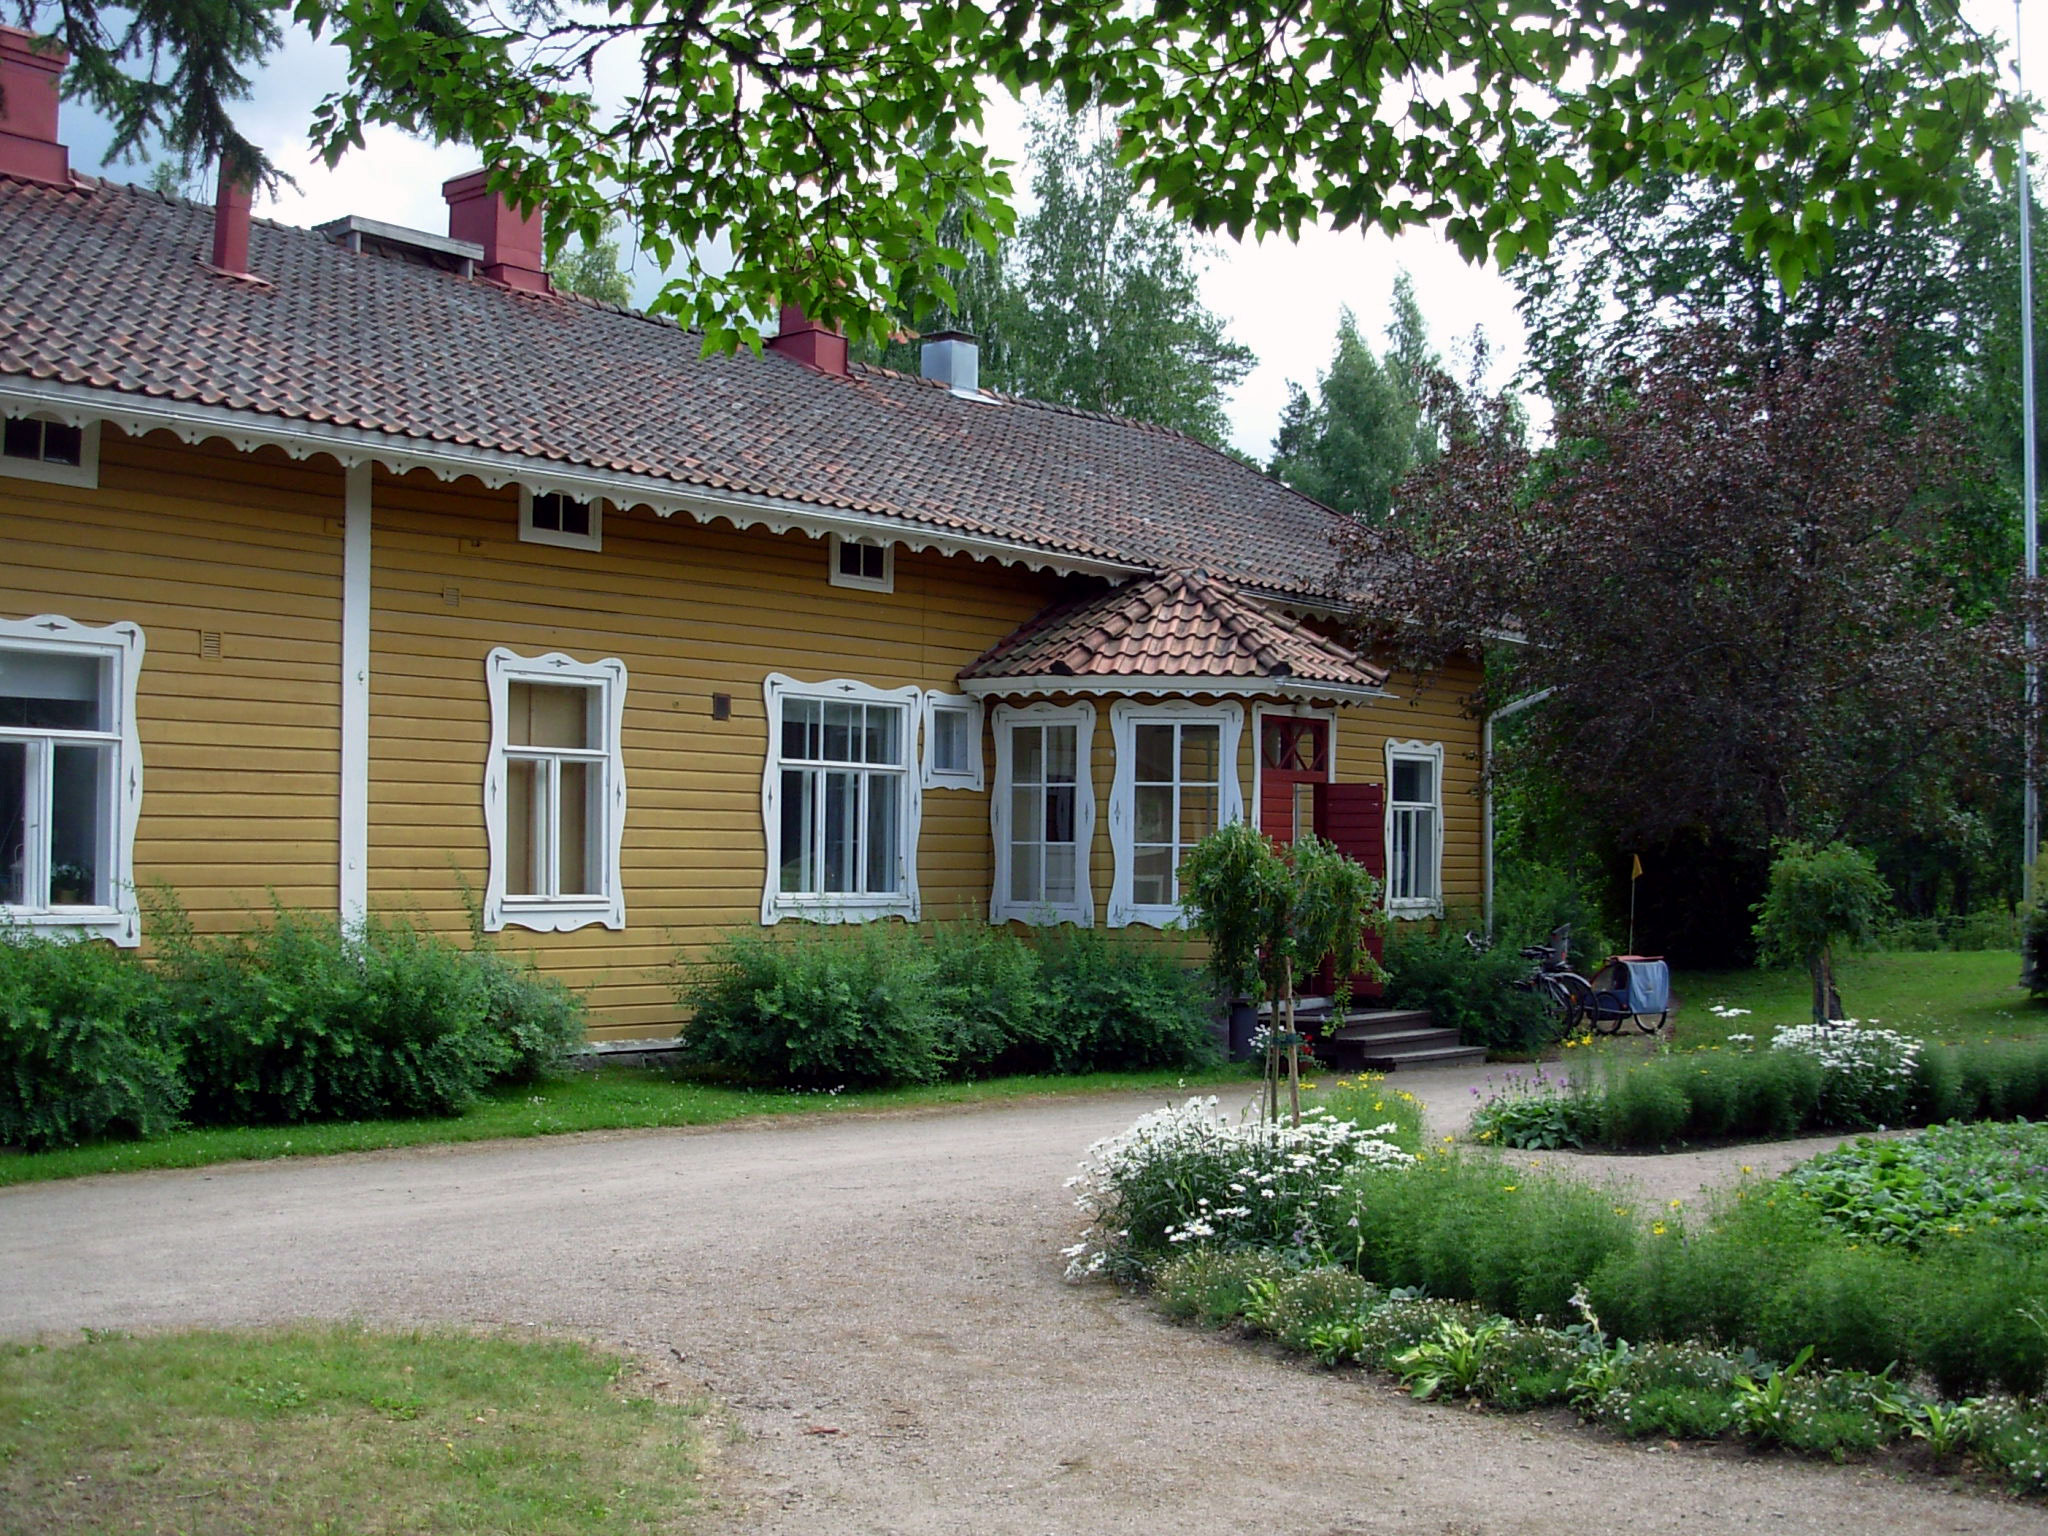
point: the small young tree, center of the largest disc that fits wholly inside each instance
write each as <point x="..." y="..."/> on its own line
<point x="1272" y="915"/>
<point x="1816" y="897"/>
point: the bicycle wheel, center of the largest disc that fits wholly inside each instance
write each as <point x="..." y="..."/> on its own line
<point x="1564" y="995"/>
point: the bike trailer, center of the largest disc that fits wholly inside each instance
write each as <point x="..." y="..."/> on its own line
<point x="1634" y="989"/>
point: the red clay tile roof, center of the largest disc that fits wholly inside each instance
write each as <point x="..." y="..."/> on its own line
<point x="1181" y="625"/>
<point x="103" y="289"/>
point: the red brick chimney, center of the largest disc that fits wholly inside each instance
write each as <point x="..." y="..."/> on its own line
<point x="511" y="242"/>
<point x="231" y="221"/>
<point x="813" y="345"/>
<point x="28" y="110"/>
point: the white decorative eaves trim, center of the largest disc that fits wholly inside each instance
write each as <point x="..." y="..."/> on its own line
<point x="1172" y="688"/>
<point x="1000" y="908"/>
<point x="559" y="914"/>
<point x="123" y="645"/>
<point x="78" y="405"/>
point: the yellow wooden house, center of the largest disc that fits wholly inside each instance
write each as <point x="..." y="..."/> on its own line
<point x="357" y="568"/>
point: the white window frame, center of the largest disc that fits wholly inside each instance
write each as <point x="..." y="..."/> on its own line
<point x="777" y="904"/>
<point x="1125" y="716"/>
<point x="557" y="914"/>
<point x="86" y="472"/>
<point x="119" y="648"/>
<point x="886" y="582"/>
<point x="1081" y="910"/>
<point x="935" y="703"/>
<point x="528" y="534"/>
<point x="1431" y="752"/>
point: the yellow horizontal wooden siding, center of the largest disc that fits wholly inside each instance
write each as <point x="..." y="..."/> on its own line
<point x="241" y="754"/>
<point x="692" y="611"/>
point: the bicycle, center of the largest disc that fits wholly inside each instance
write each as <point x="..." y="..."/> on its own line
<point x="1565" y="993"/>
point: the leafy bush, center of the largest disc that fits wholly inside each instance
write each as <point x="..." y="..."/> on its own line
<point x="817" y="1007"/>
<point x="1536" y="1112"/>
<point x="1122" y="1004"/>
<point x="298" y="1019"/>
<point x="83" y="1049"/>
<point x="1435" y="968"/>
<point x="988" y="989"/>
<point x="1945" y="1181"/>
<point x="1210" y="1287"/>
<point x="1531" y="901"/>
<point x="1817" y="898"/>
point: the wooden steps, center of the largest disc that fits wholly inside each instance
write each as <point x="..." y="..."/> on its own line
<point x="1383" y="1039"/>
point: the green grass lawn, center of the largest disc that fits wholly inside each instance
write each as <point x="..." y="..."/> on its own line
<point x="607" y="1099"/>
<point x="334" y="1430"/>
<point x="1938" y="996"/>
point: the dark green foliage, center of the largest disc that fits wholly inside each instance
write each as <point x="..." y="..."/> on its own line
<point x="1434" y="968"/>
<point x="83" y="1049"/>
<point x="1211" y="1287"/>
<point x="298" y="1019"/>
<point x="1533" y="900"/>
<point x="873" y="1005"/>
<point x="1819" y="897"/>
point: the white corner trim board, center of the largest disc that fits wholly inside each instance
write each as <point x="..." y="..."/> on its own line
<point x="1124" y="718"/>
<point x="355" y="697"/>
<point x="851" y="907"/>
<point x="1081" y="910"/>
<point x="119" y="647"/>
<point x="556" y="914"/>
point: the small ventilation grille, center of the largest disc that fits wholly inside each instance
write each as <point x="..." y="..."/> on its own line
<point x="209" y="645"/>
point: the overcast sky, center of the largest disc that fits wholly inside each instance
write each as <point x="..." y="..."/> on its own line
<point x="1280" y="299"/>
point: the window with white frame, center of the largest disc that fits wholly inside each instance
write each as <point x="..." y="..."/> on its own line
<point x="840" y="800"/>
<point x="1042" y="815"/>
<point x="952" y="741"/>
<point x="555" y="792"/>
<point x="1415" y="827"/>
<point x="863" y="563"/>
<point x="1176" y="782"/>
<point x="568" y="522"/>
<point x="37" y="448"/>
<point x="70" y="776"/>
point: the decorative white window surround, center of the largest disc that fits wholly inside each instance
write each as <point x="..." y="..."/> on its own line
<point x="564" y="913"/>
<point x="1261" y="713"/>
<point x="1001" y="908"/>
<point x="1418" y="877"/>
<point x="528" y="534"/>
<point x="966" y="714"/>
<point x="837" y="907"/>
<point x="118" y="649"/>
<point x="1124" y="718"/>
<point x="846" y="568"/>
<point x="86" y="472"/>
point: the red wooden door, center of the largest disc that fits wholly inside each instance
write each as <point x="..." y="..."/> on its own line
<point x="1294" y="761"/>
<point x="1353" y="816"/>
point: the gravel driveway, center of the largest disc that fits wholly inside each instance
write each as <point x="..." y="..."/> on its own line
<point x="879" y="1302"/>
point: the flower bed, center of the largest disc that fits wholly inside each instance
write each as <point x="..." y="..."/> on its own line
<point x="1948" y="1181"/>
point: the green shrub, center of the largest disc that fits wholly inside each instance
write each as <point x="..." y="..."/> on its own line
<point x="1212" y="1287"/>
<point x="533" y="1021"/>
<point x="1302" y="1308"/>
<point x="1947" y="1180"/>
<point x="1531" y="901"/>
<point x="1645" y="1108"/>
<point x="816" y="1006"/>
<point x="1122" y="1004"/>
<point x="1434" y="968"/>
<point x="83" y="1048"/>
<point x="988" y="989"/>
<point x="298" y="1019"/>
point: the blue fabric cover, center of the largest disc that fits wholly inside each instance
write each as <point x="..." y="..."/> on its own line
<point x="1649" y="985"/>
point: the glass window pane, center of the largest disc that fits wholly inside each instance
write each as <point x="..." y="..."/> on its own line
<point x="1061" y="766"/>
<point x="79" y="784"/>
<point x="1059" y="813"/>
<point x="578" y="818"/>
<point x="1411" y="780"/>
<point x="1024" y="873"/>
<point x="842" y="829"/>
<point x="523" y="781"/>
<point x="1198" y="809"/>
<point x="62" y="444"/>
<point x="1027" y="814"/>
<point x="842" y="731"/>
<point x="49" y="690"/>
<point x="950" y="740"/>
<point x="799" y="862"/>
<point x="574" y="516"/>
<point x="881" y="742"/>
<point x="13" y="822"/>
<point x="1059" y="875"/>
<point x="1154" y="806"/>
<point x="23" y="438"/>
<point x="1027" y="754"/>
<point x="1201" y="753"/>
<point x="1425" y="855"/>
<point x="884" y="805"/>
<point x="800" y="729"/>
<point x="1154" y="754"/>
<point x="1152" y="877"/>
<point x="549" y="715"/>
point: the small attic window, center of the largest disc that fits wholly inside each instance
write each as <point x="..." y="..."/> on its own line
<point x="550" y="517"/>
<point x="860" y="563"/>
<point x="36" y="449"/>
